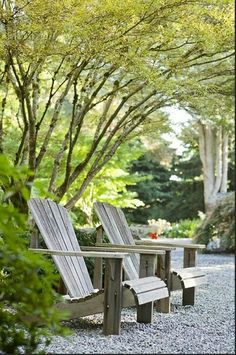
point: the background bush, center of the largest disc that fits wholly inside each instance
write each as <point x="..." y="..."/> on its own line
<point x="87" y="237"/>
<point x="183" y="229"/>
<point x="219" y="225"/>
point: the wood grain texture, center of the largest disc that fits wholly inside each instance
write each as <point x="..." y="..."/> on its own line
<point x="171" y="243"/>
<point x="189" y="291"/>
<point x="48" y="227"/>
<point x="122" y="248"/>
<point x="147" y="289"/>
<point x="120" y="237"/>
<point x="97" y="274"/>
<point x="155" y="249"/>
<point x="119" y="234"/>
<point x="163" y="270"/>
<point x="112" y="296"/>
<point x="73" y="253"/>
<point x="55" y="226"/>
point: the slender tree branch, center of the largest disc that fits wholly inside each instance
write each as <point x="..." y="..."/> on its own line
<point x="205" y="54"/>
<point x="112" y="92"/>
<point x="219" y="74"/>
<point x="95" y="168"/>
<point x="54" y="120"/>
<point x="209" y="61"/>
<point x="82" y="165"/>
<point x="79" y="121"/>
<point x="3" y="106"/>
<point x="50" y="96"/>
<point x="159" y="49"/>
<point x="67" y="139"/>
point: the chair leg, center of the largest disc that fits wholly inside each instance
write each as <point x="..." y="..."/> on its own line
<point x="189" y="296"/>
<point x="146" y="268"/>
<point x="145" y="313"/>
<point x="163" y="271"/>
<point x="112" y="296"/>
<point x="190" y="260"/>
<point x="163" y="305"/>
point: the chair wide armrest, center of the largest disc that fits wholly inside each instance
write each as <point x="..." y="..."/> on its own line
<point x="123" y="249"/>
<point x="138" y="246"/>
<point x="171" y="243"/>
<point x="95" y="254"/>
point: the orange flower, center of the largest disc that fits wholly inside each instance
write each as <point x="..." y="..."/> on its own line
<point x="153" y="235"/>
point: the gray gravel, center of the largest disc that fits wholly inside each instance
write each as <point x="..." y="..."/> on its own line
<point x="206" y="328"/>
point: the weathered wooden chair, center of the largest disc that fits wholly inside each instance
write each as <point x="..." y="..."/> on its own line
<point x="57" y="231"/>
<point x="118" y="232"/>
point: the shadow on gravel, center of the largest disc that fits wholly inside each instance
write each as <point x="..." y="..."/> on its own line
<point x="83" y="323"/>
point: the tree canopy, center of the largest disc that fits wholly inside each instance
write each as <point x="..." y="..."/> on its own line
<point x="99" y="70"/>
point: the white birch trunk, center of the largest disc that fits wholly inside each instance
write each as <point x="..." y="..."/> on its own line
<point x="225" y="152"/>
<point x="218" y="162"/>
<point x="213" y="150"/>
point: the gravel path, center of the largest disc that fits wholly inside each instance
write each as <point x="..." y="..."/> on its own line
<point x="206" y="328"/>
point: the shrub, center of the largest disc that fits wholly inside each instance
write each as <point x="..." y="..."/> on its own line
<point x="219" y="225"/>
<point x="26" y="279"/>
<point x="87" y="237"/>
<point x="183" y="229"/>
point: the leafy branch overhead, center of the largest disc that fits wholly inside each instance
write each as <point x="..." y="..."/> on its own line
<point x="99" y="70"/>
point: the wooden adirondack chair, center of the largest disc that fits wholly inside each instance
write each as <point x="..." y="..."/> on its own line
<point x="57" y="231"/>
<point x="118" y="232"/>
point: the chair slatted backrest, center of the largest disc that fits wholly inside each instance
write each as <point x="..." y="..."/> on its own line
<point x="54" y="224"/>
<point x="118" y="232"/>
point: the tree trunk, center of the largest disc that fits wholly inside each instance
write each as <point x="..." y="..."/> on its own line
<point x="213" y="149"/>
<point x="19" y="202"/>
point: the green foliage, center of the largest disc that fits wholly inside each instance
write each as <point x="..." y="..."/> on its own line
<point x="87" y="237"/>
<point x="172" y="193"/>
<point x="183" y="229"/>
<point x="219" y="224"/>
<point x="187" y="188"/>
<point x="110" y="185"/>
<point x="153" y="189"/>
<point x="26" y="279"/>
<point x="102" y="69"/>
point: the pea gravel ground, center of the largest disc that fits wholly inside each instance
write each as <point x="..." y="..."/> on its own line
<point x="206" y="328"/>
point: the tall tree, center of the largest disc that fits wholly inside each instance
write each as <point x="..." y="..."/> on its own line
<point x="213" y="148"/>
<point x="213" y="130"/>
